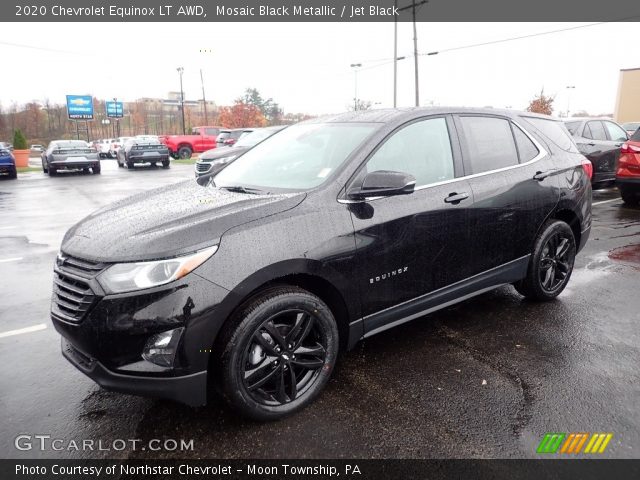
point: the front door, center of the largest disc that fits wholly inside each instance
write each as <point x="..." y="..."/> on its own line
<point x="410" y="245"/>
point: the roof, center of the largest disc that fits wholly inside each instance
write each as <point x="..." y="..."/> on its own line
<point x="384" y="115"/>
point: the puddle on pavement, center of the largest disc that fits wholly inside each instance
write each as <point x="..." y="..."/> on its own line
<point x="627" y="254"/>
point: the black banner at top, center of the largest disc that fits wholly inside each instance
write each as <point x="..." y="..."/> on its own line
<point x="318" y="10"/>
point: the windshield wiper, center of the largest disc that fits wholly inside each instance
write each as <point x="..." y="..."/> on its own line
<point x="242" y="189"/>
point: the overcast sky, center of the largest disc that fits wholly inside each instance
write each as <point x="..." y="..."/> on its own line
<point x="305" y="66"/>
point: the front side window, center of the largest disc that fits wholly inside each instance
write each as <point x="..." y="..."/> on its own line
<point x="616" y="133"/>
<point x="490" y="143"/>
<point x="298" y="158"/>
<point x="422" y="149"/>
<point x="211" y="131"/>
<point x="573" y="127"/>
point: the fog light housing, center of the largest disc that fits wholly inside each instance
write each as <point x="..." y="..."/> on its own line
<point x="161" y="348"/>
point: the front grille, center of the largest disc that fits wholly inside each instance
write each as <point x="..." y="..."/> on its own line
<point x="203" y="167"/>
<point x="72" y="293"/>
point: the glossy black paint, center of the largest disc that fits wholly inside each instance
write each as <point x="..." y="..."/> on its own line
<point x="375" y="263"/>
<point x="603" y="153"/>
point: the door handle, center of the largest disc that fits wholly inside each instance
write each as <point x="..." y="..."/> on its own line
<point x="456" y="198"/>
<point x="591" y="144"/>
<point x="542" y="175"/>
<point x="618" y="144"/>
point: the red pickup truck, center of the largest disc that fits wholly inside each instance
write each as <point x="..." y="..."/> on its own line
<point x="200" y="140"/>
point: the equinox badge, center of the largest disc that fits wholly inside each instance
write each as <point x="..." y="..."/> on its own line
<point x="387" y="275"/>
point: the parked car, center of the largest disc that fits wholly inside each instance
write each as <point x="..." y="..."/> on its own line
<point x="104" y="147"/>
<point x="216" y="157"/>
<point x="331" y="231"/>
<point x="7" y="146"/>
<point x="143" y="149"/>
<point x="631" y="127"/>
<point x="7" y="162"/>
<point x="37" y="148"/>
<point x="599" y="139"/>
<point x="116" y="145"/>
<point x="628" y="173"/>
<point x="70" y="155"/>
<point x="200" y="140"/>
<point x="227" y="138"/>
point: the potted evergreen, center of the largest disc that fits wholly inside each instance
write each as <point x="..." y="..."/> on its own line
<point x="20" y="149"/>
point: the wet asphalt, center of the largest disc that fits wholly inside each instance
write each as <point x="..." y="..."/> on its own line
<point x="483" y="379"/>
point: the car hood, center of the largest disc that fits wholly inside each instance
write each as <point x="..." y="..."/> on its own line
<point x="221" y="152"/>
<point x="168" y="221"/>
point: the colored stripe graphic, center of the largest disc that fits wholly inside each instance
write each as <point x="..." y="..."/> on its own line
<point x="550" y="442"/>
<point x="572" y="443"/>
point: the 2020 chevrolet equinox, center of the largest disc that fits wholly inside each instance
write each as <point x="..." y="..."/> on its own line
<point x="328" y="232"/>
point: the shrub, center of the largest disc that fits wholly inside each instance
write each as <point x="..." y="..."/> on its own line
<point x="19" y="140"/>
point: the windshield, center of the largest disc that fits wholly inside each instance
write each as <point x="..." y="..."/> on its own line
<point x="298" y="158"/>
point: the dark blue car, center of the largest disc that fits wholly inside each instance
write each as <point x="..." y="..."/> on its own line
<point x="7" y="162"/>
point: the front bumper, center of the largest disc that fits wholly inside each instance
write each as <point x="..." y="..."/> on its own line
<point x="188" y="389"/>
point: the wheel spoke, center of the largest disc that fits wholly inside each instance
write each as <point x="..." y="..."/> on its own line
<point x="293" y="387"/>
<point x="281" y="394"/>
<point x="266" y="344"/>
<point x="562" y="248"/>
<point x="300" y="331"/>
<point x="310" y="358"/>
<point x="258" y="376"/>
<point x="548" y="278"/>
<point x="275" y="334"/>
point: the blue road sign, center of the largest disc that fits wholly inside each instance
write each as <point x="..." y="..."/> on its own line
<point x="115" y="109"/>
<point x="80" y="107"/>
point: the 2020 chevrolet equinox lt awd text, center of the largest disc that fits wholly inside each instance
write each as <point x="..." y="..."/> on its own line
<point x="326" y="233"/>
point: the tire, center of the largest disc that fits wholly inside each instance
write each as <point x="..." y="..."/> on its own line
<point x="120" y="164"/>
<point x="85" y="170"/>
<point x="166" y="164"/>
<point x="96" y="169"/>
<point x="291" y="322"/>
<point x="13" y="175"/>
<point x="549" y="272"/>
<point x="630" y="196"/>
<point x="130" y="165"/>
<point x="184" y="152"/>
<point x="44" y="167"/>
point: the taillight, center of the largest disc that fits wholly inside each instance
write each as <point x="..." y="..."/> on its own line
<point x="629" y="148"/>
<point x="587" y="166"/>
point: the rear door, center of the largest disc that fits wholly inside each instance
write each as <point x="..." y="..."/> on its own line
<point x="514" y="188"/>
<point x="601" y="151"/>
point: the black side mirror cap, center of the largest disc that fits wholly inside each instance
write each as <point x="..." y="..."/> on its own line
<point x="383" y="183"/>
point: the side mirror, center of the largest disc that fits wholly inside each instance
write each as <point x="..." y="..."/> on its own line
<point x="383" y="183"/>
<point x="204" y="180"/>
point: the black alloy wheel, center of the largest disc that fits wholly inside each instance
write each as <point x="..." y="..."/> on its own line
<point x="278" y="354"/>
<point x="551" y="262"/>
<point x="284" y="357"/>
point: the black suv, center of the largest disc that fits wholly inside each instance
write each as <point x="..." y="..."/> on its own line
<point x="326" y="233"/>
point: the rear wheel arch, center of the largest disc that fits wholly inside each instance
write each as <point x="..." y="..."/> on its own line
<point x="569" y="217"/>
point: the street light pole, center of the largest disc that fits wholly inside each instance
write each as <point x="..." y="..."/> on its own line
<point x="355" y="97"/>
<point x="415" y="54"/>
<point x="569" y="88"/>
<point x="180" y="71"/>
<point x="395" y="54"/>
<point x="204" y="100"/>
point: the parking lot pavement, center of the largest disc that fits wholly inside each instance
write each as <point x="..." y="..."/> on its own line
<point x="485" y="378"/>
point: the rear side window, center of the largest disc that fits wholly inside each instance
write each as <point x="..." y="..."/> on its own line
<point x="595" y="131"/>
<point x="572" y="127"/>
<point x="636" y="136"/>
<point x="211" y="131"/>
<point x="422" y="149"/>
<point x="526" y="148"/>
<point x="554" y="131"/>
<point x="490" y="143"/>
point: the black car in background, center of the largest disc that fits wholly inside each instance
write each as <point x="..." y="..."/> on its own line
<point x="599" y="139"/>
<point x="7" y="162"/>
<point x="70" y="155"/>
<point x="331" y="231"/>
<point x="211" y="160"/>
<point x="143" y="149"/>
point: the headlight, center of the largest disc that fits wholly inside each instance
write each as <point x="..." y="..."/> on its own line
<point x="126" y="277"/>
<point x="225" y="159"/>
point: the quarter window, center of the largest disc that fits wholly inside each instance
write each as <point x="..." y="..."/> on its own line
<point x="526" y="148"/>
<point x="422" y="149"/>
<point x="490" y="143"/>
<point x="615" y="132"/>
